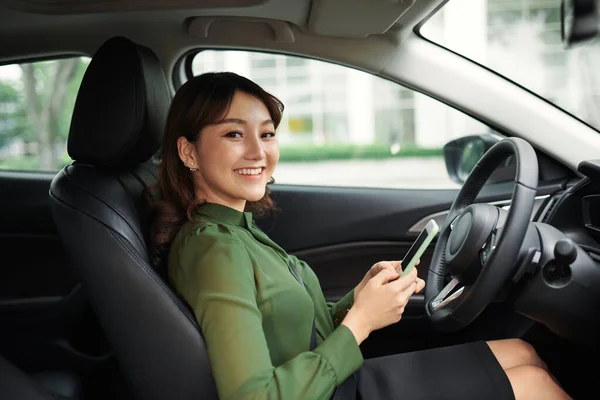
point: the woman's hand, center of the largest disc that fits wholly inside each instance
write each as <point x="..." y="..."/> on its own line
<point x="381" y="265"/>
<point x="395" y="266"/>
<point x="380" y="302"/>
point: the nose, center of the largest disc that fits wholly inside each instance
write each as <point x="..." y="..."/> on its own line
<point x="254" y="148"/>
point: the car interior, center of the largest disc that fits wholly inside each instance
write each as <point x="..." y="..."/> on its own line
<point x="83" y="313"/>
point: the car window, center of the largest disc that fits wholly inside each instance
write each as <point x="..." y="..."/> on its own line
<point x="36" y="104"/>
<point x="344" y="127"/>
<point x="521" y="40"/>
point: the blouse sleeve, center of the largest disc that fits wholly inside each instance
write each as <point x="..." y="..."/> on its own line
<point x="215" y="275"/>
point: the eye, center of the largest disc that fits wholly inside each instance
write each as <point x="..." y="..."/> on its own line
<point x="235" y="135"/>
<point x="268" y="135"/>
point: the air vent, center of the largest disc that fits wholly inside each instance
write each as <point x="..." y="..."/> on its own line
<point x="547" y="211"/>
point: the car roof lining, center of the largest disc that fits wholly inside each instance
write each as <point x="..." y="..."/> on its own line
<point x="359" y="37"/>
<point x="339" y="18"/>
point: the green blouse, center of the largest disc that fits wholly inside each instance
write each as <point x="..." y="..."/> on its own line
<point x="255" y="316"/>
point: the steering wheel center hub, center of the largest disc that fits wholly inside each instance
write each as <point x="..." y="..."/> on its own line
<point x="470" y="231"/>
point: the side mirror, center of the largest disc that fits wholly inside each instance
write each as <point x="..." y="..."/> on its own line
<point x="462" y="154"/>
<point x="578" y="21"/>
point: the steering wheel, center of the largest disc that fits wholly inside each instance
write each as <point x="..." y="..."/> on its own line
<point x="478" y="245"/>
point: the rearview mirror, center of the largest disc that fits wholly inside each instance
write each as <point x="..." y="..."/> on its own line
<point x="462" y="154"/>
<point x="578" y="21"/>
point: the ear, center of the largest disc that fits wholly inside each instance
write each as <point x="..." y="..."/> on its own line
<point x="186" y="152"/>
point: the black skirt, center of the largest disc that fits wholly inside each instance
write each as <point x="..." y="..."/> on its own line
<point x="462" y="372"/>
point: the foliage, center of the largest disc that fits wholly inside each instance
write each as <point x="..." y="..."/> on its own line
<point x="12" y="114"/>
<point x="345" y="152"/>
<point x="36" y="107"/>
<point x="25" y="163"/>
<point x="288" y="154"/>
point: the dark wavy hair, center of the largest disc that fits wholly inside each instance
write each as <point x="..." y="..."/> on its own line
<point x="201" y="101"/>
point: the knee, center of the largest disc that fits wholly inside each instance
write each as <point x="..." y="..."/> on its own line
<point x="528" y="379"/>
<point x="534" y="376"/>
<point x="526" y="354"/>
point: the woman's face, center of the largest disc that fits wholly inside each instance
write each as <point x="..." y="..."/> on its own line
<point x="236" y="157"/>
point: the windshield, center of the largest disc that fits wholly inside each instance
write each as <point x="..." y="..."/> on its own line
<point x="521" y="40"/>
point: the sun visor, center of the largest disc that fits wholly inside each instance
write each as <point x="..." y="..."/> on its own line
<point x="224" y="26"/>
<point x="355" y="19"/>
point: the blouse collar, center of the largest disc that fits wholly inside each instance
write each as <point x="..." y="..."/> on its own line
<point x="226" y="214"/>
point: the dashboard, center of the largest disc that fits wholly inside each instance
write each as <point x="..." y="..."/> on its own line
<point x="562" y="288"/>
<point x="576" y="211"/>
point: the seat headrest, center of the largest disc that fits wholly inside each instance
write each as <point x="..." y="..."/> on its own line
<point x="121" y="107"/>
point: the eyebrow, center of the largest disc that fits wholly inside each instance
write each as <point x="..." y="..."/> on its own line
<point x="242" y="121"/>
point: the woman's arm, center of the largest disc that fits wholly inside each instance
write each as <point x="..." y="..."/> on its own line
<point x="216" y="277"/>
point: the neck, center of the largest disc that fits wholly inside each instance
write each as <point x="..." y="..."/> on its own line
<point x="239" y="205"/>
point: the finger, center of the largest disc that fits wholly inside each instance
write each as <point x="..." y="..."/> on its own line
<point x="414" y="273"/>
<point x="387" y="265"/>
<point x="381" y="266"/>
<point x="405" y="281"/>
<point x="404" y="295"/>
<point x="420" y="285"/>
<point x="418" y="262"/>
<point x="397" y="266"/>
<point x="384" y="276"/>
<point x="400" y="311"/>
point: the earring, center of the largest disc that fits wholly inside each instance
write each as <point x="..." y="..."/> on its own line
<point x="191" y="168"/>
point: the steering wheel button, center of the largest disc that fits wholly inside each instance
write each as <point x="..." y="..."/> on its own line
<point x="536" y="257"/>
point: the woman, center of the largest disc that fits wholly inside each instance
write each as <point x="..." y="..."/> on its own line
<point x="268" y="329"/>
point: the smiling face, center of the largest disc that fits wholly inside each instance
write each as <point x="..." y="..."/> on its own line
<point x="236" y="157"/>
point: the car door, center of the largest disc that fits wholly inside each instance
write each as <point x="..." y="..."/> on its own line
<point x="45" y="318"/>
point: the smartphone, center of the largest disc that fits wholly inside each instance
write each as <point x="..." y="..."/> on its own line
<point x="419" y="246"/>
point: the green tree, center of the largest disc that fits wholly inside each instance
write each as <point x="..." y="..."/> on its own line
<point x="47" y="88"/>
<point x="36" y="107"/>
<point x="12" y="114"/>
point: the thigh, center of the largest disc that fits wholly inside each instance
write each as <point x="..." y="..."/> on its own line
<point x="512" y="353"/>
<point x="466" y="371"/>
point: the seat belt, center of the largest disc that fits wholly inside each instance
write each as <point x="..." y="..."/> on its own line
<point x="347" y="390"/>
<point x="313" y="335"/>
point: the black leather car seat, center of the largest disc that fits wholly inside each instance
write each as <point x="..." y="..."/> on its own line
<point x="15" y="384"/>
<point x="99" y="209"/>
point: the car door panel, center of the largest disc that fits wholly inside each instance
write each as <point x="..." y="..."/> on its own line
<point x="45" y="317"/>
<point x="34" y="261"/>
<point x="341" y="267"/>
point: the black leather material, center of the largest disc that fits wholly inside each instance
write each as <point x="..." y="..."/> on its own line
<point x="128" y="102"/>
<point x="99" y="208"/>
<point x="59" y="384"/>
<point x="15" y="384"/>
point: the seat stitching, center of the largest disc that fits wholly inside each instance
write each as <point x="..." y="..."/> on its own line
<point x="142" y="240"/>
